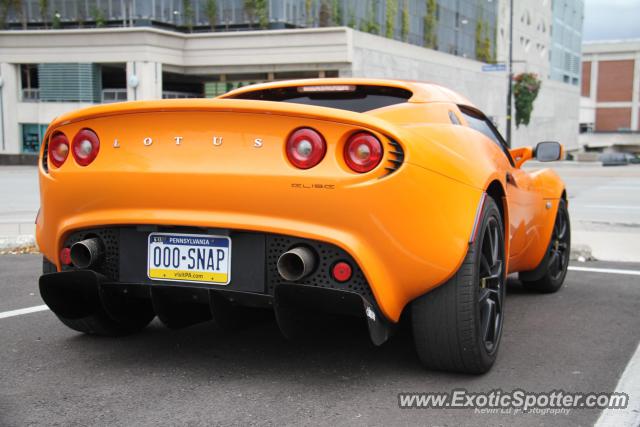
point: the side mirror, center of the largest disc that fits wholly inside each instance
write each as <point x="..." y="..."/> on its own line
<point x="521" y="155"/>
<point x="548" y="151"/>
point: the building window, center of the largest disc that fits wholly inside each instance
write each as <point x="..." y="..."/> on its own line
<point x="29" y="82"/>
<point x="32" y="135"/>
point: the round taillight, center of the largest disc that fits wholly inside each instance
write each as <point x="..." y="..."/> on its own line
<point x="58" y="149"/>
<point x="362" y="152"/>
<point x="65" y="256"/>
<point x="306" y="148"/>
<point x="85" y="146"/>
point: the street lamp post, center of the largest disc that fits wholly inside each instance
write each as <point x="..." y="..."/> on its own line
<point x="510" y="73"/>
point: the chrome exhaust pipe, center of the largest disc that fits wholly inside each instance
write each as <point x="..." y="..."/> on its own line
<point x="87" y="252"/>
<point x="296" y="264"/>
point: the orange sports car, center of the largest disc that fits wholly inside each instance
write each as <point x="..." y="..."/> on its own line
<point x="366" y="197"/>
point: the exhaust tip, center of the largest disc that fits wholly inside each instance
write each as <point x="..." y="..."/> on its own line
<point x="86" y="253"/>
<point x="296" y="264"/>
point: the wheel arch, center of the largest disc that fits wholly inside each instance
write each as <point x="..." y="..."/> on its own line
<point x="496" y="191"/>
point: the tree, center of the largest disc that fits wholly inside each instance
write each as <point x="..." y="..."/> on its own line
<point x="390" y="18"/>
<point x="18" y="6"/>
<point x="325" y="14"/>
<point x="187" y="15"/>
<point x="479" y="51"/>
<point x="56" y="23"/>
<point x="44" y="12"/>
<point x="483" y="42"/>
<point x="308" y="10"/>
<point x="262" y="10"/>
<point x="404" y="29"/>
<point x="352" y="19"/>
<point x="82" y="14"/>
<point x="430" y="23"/>
<point x="371" y="25"/>
<point x="491" y="53"/>
<point x="250" y="7"/>
<point x="96" y="14"/>
<point x="211" y="10"/>
<point x="336" y="12"/>
<point x="4" y="12"/>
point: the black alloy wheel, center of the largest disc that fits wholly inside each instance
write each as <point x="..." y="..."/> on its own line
<point x="491" y="285"/>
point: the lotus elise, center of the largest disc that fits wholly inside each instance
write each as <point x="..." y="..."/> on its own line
<point x="382" y="199"/>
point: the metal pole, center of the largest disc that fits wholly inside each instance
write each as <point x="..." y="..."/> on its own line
<point x="510" y="73"/>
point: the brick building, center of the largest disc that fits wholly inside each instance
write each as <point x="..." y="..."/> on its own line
<point x="610" y="95"/>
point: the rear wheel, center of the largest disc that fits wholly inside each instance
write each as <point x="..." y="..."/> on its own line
<point x="556" y="260"/>
<point x="457" y="326"/>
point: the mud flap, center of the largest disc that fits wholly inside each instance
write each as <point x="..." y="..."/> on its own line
<point x="178" y="308"/>
<point x="540" y="270"/>
<point x="72" y="294"/>
<point x="379" y="328"/>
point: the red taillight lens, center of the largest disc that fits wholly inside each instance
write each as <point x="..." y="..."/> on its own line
<point x="306" y="148"/>
<point x="362" y="152"/>
<point x="341" y="271"/>
<point x="65" y="256"/>
<point x="58" y="149"/>
<point x="86" y="146"/>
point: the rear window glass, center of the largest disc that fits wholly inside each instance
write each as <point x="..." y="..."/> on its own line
<point x="357" y="98"/>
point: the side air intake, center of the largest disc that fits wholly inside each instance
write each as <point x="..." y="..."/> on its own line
<point x="396" y="157"/>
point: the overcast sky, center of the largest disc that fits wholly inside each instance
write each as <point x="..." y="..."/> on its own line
<point x="611" y="19"/>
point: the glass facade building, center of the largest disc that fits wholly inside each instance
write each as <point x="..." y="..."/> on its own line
<point x="460" y="27"/>
<point x="466" y="28"/>
<point x="566" y="40"/>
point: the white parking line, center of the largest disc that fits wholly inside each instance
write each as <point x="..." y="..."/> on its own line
<point x="22" y="311"/>
<point x="629" y="383"/>
<point x="609" y="206"/>
<point x="606" y="270"/>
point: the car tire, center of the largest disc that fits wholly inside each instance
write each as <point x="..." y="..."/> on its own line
<point x="457" y="326"/>
<point x="554" y="265"/>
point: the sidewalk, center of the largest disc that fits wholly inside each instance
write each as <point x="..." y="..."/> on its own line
<point x="19" y="203"/>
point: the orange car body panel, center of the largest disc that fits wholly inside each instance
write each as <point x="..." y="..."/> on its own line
<point x="408" y="231"/>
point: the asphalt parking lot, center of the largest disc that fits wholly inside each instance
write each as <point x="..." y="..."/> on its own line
<point x="580" y="340"/>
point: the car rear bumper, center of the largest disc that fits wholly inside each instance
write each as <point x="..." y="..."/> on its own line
<point x="408" y="232"/>
<point x="122" y="268"/>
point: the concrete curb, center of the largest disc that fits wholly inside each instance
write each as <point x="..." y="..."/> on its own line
<point x="17" y="235"/>
<point x="11" y="243"/>
<point x="18" y="159"/>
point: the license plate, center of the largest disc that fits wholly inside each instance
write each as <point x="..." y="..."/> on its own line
<point x="189" y="258"/>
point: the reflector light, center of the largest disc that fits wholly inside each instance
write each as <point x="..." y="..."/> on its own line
<point x="305" y="148"/>
<point x="341" y="271"/>
<point x="65" y="256"/>
<point x="86" y="146"/>
<point x="327" y="88"/>
<point x="362" y="152"/>
<point x="58" y="149"/>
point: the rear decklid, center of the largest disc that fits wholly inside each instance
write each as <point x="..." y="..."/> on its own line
<point x="219" y="136"/>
